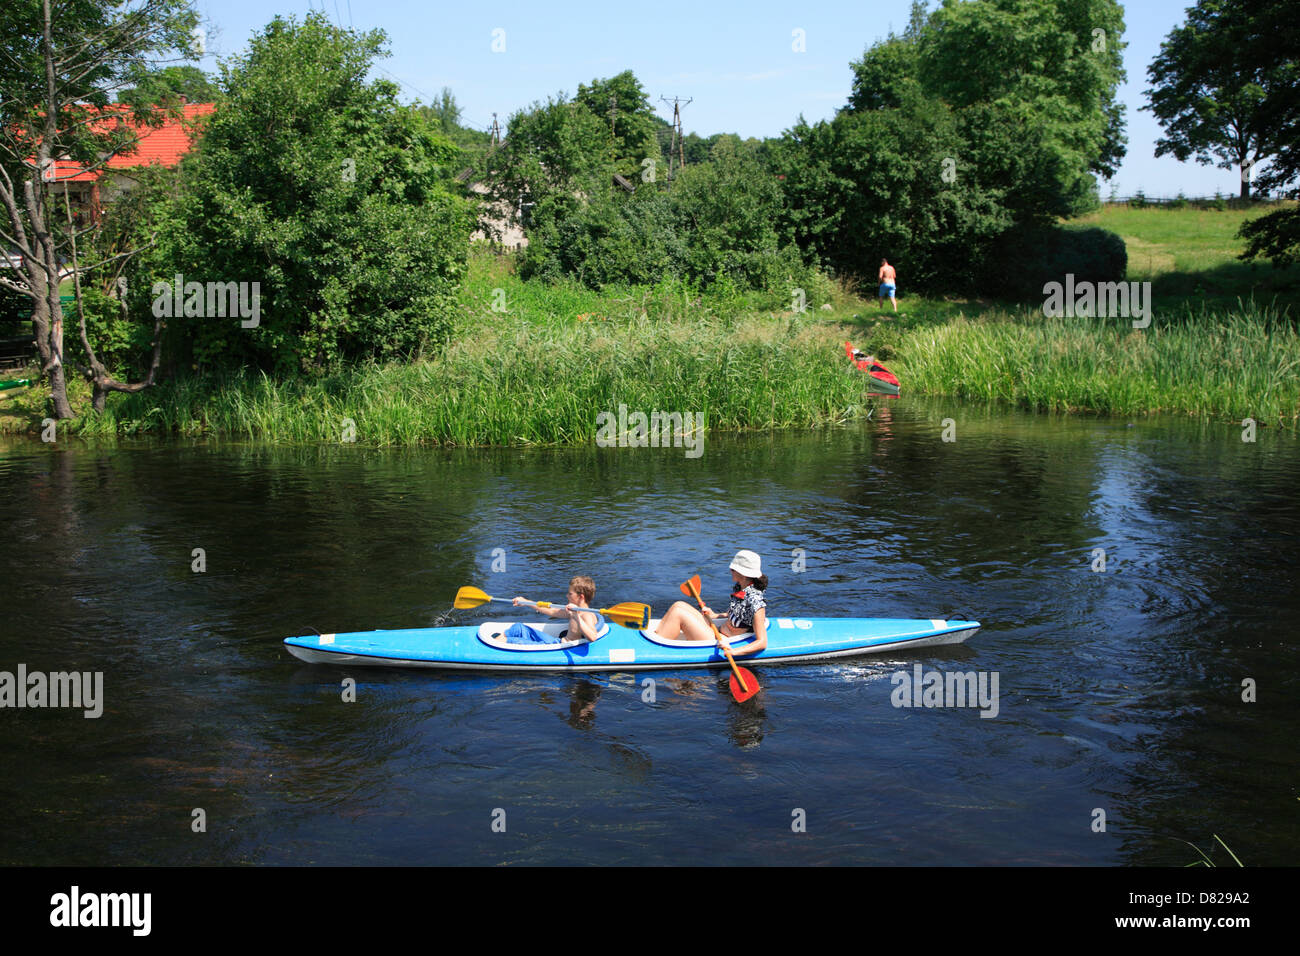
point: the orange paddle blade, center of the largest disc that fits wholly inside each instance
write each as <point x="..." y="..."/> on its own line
<point x="743" y="692"/>
<point x="691" y="588"/>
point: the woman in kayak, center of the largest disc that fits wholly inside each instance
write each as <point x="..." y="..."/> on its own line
<point x="583" y="625"/>
<point x="748" y="610"/>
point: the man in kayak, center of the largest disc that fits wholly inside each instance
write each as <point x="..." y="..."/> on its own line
<point x="583" y="624"/>
<point x="887" y="283"/>
<point x="748" y="610"/>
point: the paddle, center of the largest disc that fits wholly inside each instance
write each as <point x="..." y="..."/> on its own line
<point x="743" y="683"/>
<point x="629" y="614"/>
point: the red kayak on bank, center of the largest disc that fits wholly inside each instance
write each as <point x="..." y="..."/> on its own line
<point x="883" y="381"/>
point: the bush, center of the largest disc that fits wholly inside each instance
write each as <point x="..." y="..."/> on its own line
<point x="1025" y="259"/>
<point x="123" y="346"/>
<point x="714" y="229"/>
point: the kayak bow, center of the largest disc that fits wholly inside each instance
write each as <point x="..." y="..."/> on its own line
<point x="883" y="381"/>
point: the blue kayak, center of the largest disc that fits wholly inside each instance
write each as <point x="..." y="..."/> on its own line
<point x="485" y="647"/>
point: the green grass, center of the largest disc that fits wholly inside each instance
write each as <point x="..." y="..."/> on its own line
<point x="1190" y="256"/>
<point x="1222" y="343"/>
<point x="519" y="383"/>
<point x="536" y="364"/>
<point x="1224" y="365"/>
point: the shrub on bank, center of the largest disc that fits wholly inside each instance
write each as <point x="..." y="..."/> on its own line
<point x="1028" y="258"/>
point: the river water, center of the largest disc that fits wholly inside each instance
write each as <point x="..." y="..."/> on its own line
<point x="1136" y="582"/>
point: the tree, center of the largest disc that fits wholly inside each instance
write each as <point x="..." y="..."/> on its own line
<point x="886" y="68"/>
<point x="57" y="74"/>
<point x="1226" y="85"/>
<point x="1276" y="38"/>
<point x="553" y="152"/>
<point x="167" y="87"/>
<point x="444" y="116"/>
<point x="982" y="117"/>
<point x="872" y="185"/>
<point x="320" y="192"/>
<point x="1051" y="65"/>
<point x="444" y="113"/>
<point x="630" y="122"/>
<point x="715" y="226"/>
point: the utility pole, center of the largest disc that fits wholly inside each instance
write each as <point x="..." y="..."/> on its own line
<point x="678" y="138"/>
<point x="496" y="132"/>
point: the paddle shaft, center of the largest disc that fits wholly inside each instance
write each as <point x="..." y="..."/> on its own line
<point x="695" y="593"/>
<point x="589" y="610"/>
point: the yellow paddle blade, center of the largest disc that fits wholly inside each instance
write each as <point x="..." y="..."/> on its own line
<point x="629" y="614"/>
<point x="467" y="598"/>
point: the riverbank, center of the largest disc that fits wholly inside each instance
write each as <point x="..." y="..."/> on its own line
<point x="539" y="364"/>
<point x="513" y="383"/>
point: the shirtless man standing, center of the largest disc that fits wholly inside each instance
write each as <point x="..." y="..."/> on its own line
<point x="887" y="285"/>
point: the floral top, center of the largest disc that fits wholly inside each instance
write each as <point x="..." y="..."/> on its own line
<point x="743" y="609"/>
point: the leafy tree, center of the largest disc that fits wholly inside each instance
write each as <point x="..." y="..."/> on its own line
<point x="981" y="117"/>
<point x="872" y="185"/>
<point x="702" y="149"/>
<point x="630" y="122"/>
<point x="885" y="70"/>
<point x="327" y="192"/>
<point x="1225" y="87"/>
<point x="1275" y="38"/>
<point x="604" y="237"/>
<point x="1275" y="236"/>
<point x="727" y="210"/>
<point x="167" y="86"/>
<point x="696" y="148"/>
<point x="123" y="337"/>
<point x="716" y="226"/>
<point x="60" y="65"/>
<point x="444" y="115"/>
<point x="553" y="152"/>
<point x="1052" y="65"/>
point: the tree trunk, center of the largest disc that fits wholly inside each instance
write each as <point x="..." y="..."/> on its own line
<point x="1245" y="181"/>
<point x="59" y="392"/>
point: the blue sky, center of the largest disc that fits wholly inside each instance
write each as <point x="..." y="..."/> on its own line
<point x="735" y="61"/>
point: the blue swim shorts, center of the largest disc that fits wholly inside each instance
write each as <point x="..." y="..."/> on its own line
<point x="886" y="288"/>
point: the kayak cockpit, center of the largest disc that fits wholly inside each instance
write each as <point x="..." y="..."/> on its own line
<point x="651" y="634"/>
<point x="493" y="634"/>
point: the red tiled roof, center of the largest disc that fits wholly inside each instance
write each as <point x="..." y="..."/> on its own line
<point x="164" y="145"/>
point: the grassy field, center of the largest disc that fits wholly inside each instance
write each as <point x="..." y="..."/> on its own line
<point x="536" y="364"/>
<point x="1190" y="257"/>
<point x="1222" y="342"/>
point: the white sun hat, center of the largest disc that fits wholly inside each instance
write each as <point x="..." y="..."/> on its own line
<point x="747" y="563"/>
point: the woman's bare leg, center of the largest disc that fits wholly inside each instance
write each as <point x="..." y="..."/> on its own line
<point x="684" y="622"/>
